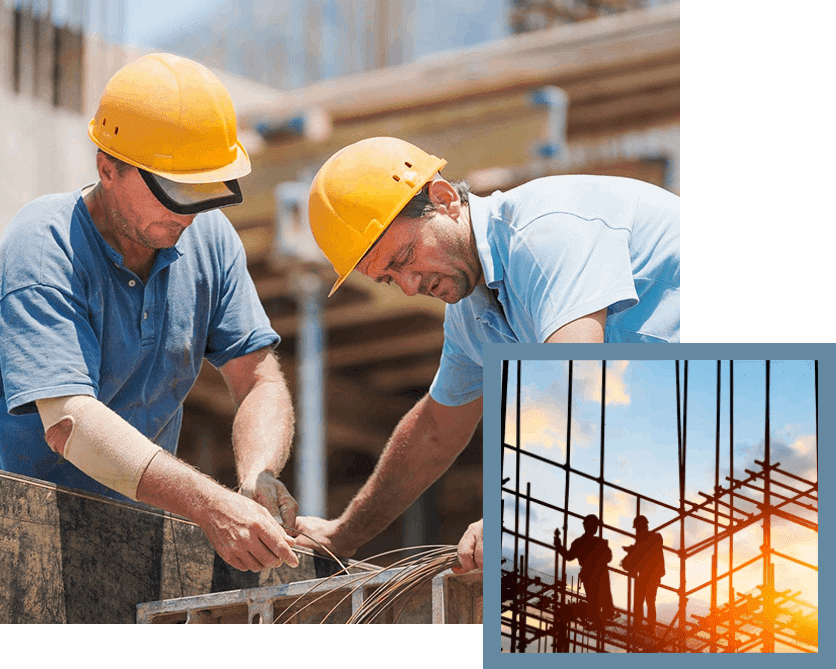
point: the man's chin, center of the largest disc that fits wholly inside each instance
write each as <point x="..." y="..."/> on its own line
<point x="453" y="296"/>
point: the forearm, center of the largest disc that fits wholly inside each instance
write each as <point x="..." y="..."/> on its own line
<point x="107" y="448"/>
<point x="419" y="451"/>
<point x="262" y="432"/>
<point x="172" y="485"/>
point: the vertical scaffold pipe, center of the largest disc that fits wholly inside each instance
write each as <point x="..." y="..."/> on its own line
<point x="515" y="619"/>
<point x="682" y="425"/>
<point x="601" y="476"/>
<point x="524" y="625"/>
<point x="503" y="415"/>
<point x="716" y="520"/>
<point x="600" y="635"/>
<point x="600" y="643"/>
<point x="732" y="633"/>
<point x="768" y="593"/>
<point x="311" y="456"/>
<point x="563" y="599"/>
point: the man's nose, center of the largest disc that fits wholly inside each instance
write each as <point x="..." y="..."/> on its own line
<point x="409" y="283"/>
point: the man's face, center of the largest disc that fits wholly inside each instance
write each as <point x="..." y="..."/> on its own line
<point x="136" y="216"/>
<point x="431" y="256"/>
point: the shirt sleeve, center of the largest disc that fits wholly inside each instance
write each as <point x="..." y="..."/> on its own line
<point x="563" y="267"/>
<point x="458" y="380"/>
<point x="238" y="324"/>
<point x="49" y="348"/>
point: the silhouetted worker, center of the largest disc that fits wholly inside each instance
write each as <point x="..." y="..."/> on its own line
<point x="593" y="553"/>
<point x="646" y="562"/>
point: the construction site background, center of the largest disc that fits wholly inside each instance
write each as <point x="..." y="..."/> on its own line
<point x="740" y="535"/>
<point x="531" y="88"/>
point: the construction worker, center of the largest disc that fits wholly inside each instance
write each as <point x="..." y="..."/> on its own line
<point x="645" y="560"/>
<point x="593" y="554"/>
<point x="111" y="297"/>
<point x="560" y="259"/>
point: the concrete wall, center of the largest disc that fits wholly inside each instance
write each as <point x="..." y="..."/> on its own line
<point x="44" y="148"/>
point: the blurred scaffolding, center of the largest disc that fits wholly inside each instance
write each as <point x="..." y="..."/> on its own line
<point x="547" y="612"/>
<point x="596" y="96"/>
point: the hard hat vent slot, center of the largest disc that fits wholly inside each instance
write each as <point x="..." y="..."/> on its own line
<point x="104" y="121"/>
<point x="116" y="130"/>
<point x="408" y="164"/>
<point x="396" y="177"/>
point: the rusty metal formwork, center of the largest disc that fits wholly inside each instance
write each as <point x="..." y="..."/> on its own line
<point x="447" y="598"/>
<point x="541" y="613"/>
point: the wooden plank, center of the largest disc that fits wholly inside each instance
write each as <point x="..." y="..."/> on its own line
<point x="625" y="99"/>
<point x="72" y="557"/>
<point x="405" y="375"/>
<point x="566" y="51"/>
<point x="390" y="348"/>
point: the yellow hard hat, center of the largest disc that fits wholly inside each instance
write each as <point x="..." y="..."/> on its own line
<point x="358" y="192"/>
<point x="172" y="117"/>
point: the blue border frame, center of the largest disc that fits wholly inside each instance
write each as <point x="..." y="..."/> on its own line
<point x="493" y="354"/>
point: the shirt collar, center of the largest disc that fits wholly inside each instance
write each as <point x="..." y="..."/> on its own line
<point x="480" y="216"/>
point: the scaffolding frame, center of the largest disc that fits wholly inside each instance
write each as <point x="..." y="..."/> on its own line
<point x="545" y="610"/>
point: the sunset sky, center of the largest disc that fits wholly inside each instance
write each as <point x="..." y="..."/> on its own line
<point x="641" y="455"/>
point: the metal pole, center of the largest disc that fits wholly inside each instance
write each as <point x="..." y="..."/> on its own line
<point x="566" y="485"/>
<point x="768" y="632"/>
<point x="732" y="633"/>
<point x="525" y="567"/>
<point x="682" y="422"/>
<point x="516" y="613"/>
<point x="311" y="455"/>
<point x="716" y="520"/>
<point x="503" y="412"/>
<point x="601" y="477"/>
<point x="600" y="634"/>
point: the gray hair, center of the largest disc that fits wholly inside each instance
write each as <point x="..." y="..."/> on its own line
<point x="120" y="165"/>
<point x="420" y="205"/>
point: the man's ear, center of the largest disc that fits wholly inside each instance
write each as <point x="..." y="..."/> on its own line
<point x="106" y="168"/>
<point x="445" y="198"/>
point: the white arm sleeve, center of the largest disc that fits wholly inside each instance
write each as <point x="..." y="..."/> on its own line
<point x="100" y="442"/>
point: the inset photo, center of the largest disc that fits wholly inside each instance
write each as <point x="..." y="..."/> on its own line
<point x="659" y="506"/>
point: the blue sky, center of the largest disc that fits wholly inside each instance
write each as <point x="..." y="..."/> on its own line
<point x="147" y="19"/>
<point x="437" y="25"/>
<point x="641" y="454"/>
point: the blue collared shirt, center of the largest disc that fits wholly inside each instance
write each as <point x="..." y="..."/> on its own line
<point x="554" y="250"/>
<point x="75" y="321"/>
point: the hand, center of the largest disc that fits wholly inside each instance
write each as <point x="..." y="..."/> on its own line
<point x="470" y="549"/>
<point x="268" y="491"/>
<point x="326" y="532"/>
<point x="246" y="536"/>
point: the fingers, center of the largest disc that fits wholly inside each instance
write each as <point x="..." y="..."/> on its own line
<point x="247" y="537"/>
<point x="470" y="550"/>
<point x="467" y="547"/>
<point x="278" y="543"/>
<point x="477" y="553"/>
<point x="273" y="496"/>
<point x="288" y="508"/>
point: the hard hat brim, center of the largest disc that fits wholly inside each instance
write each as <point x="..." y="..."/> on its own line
<point x="338" y="283"/>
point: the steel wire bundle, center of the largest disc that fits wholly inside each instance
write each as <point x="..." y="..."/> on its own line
<point x="414" y="572"/>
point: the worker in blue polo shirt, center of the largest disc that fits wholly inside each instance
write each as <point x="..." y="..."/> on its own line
<point x="111" y="297"/>
<point x="559" y="259"/>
